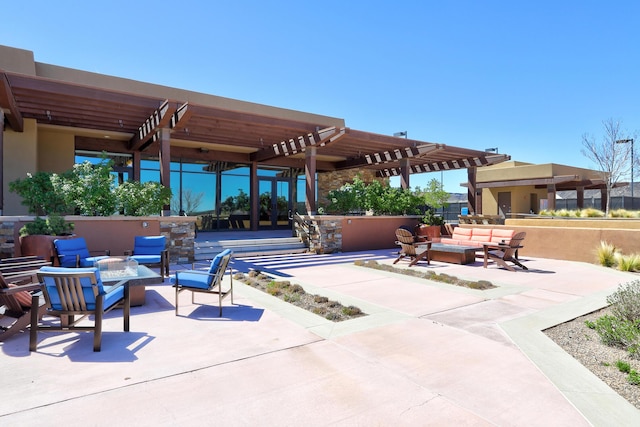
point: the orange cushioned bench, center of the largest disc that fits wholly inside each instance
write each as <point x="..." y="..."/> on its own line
<point x="477" y="236"/>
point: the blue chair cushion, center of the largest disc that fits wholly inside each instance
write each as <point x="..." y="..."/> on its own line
<point x="197" y="279"/>
<point x="149" y="245"/>
<point x="67" y="250"/>
<point x="192" y="279"/>
<point x="146" y="259"/>
<point x="111" y="295"/>
<point x="90" y="262"/>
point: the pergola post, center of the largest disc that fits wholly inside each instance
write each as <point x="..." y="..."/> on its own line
<point x="551" y="196"/>
<point x="135" y="165"/>
<point x="404" y="173"/>
<point x="165" y="164"/>
<point x="471" y="191"/>
<point x="310" y="178"/>
<point x="254" y="197"/>
<point x="1" y="161"/>
<point x="580" y="197"/>
<point x="603" y="199"/>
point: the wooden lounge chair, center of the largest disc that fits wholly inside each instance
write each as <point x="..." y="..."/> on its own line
<point x="71" y="292"/>
<point x="501" y="253"/>
<point x="209" y="282"/>
<point x="15" y="296"/>
<point x="416" y="251"/>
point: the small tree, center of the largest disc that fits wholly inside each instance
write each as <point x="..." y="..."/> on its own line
<point x="611" y="158"/>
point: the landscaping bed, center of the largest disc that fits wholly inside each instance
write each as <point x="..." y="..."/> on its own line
<point x="296" y="295"/>
<point x="428" y="275"/>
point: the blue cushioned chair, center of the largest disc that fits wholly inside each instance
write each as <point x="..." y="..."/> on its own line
<point x="209" y="282"/>
<point x="151" y="250"/>
<point x="74" y="253"/>
<point x="71" y="292"/>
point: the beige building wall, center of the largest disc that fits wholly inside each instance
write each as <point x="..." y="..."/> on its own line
<point x="56" y="151"/>
<point x="20" y="157"/>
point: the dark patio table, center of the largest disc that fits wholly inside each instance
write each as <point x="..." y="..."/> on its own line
<point x="137" y="283"/>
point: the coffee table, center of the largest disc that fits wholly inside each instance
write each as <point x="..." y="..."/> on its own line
<point x="454" y="254"/>
<point x="137" y="282"/>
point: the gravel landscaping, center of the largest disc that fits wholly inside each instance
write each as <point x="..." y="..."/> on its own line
<point x="585" y="345"/>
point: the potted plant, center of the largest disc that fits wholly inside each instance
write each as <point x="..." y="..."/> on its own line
<point x="430" y="224"/>
<point x="434" y="197"/>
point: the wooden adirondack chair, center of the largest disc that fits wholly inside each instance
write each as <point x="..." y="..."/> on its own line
<point x="15" y="296"/>
<point x="501" y="253"/>
<point x="409" y="248"/>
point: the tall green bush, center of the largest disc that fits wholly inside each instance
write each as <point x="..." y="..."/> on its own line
<point x="142" y="199"/>
<point x="358" y="197"/>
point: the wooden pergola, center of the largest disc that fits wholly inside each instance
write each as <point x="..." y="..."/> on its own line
<point x="170" y="123"/>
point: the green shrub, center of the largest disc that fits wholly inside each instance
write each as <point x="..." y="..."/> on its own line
<point x="606" y="254"/>
<point x="617" y="332"/>
<point x="625" y="301"/>
<point x="634" y="377"/>
<point x="623" y="366"/>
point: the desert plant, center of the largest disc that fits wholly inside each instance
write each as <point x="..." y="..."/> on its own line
<point x="623" y="366"/>
<point x="590" y="213"/>
<point x="625" y="301"/>
<point x="618" y="332"/>
<point x="633" y="377"/>
<point x="606" y="254"/>
<point x="628" y="262"/>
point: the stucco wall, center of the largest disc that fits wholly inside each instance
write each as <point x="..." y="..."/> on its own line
<point x="573" y="240"/>
<point x="114" y="233"/>
<point x="20" y="157"/>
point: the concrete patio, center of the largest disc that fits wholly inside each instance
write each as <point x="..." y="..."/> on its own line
<point x="427" y="354"/>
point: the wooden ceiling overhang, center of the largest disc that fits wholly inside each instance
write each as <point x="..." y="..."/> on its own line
<point x="210" y="133"/>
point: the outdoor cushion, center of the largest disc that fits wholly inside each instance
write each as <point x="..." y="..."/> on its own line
<point x="481" y="235"/>
<point x="499" y="235"/>
<point x="200" y="279"/>
<point x="149" y="245"/>
<point x="68" y="249"/>
<point x="146" y="259"/>
<point x="110" y="298"/>
<point x="460" y="233"/>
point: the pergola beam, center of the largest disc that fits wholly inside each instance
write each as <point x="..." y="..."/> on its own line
<point x="7" y="99"/>
<point x="390" y="156"/>
<point x="156" y="121"/>
<point x="299" y="144"/>
<point x="437" y="166"/>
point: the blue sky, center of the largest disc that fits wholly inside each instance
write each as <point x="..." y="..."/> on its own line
<point x="528" y="77"/>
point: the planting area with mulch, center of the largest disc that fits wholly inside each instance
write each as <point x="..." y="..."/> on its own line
<point x="296" y="295"/>
<point x="428" y="275"/>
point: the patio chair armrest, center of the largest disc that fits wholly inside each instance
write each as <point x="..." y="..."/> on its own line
<point x="128" y="252"/>
<point x="116" y="286"/>
<point x="20" y="288"/>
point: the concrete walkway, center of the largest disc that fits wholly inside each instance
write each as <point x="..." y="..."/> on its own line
<point x="426" y="354"/>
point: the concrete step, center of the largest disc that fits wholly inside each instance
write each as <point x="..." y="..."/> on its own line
<point x="249" y="247"/>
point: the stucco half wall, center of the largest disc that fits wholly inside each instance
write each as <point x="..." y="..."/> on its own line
<point x="572" y="239"/>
